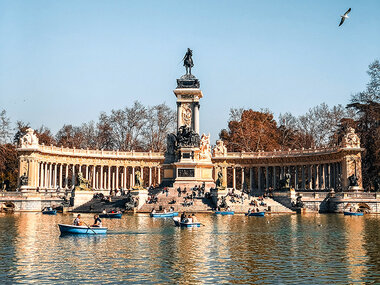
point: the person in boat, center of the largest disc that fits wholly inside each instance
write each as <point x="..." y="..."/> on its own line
<point x="183" y="216"/>
<point x="228" y="209"/>
<point x="97" y="221"/>
<point x="249" y="211"/>
<point x="104" y="211"/>
<point x="257" y="210"/>
<point x="194" y="218"/>
<point x="77" y="221"/>
<point x="153" y="211"/>
<point x="189" y="219"/>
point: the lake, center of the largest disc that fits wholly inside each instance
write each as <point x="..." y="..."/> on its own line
<point x="275" y="249"/>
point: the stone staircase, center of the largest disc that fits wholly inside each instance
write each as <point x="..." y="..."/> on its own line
<point x="95" y="205"/>
<point x="274" y="206"/>
<point x="206" y="205"/>
<point x="199" y="204"/>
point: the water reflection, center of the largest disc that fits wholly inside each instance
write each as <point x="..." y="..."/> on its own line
<point x="231" y="249"/>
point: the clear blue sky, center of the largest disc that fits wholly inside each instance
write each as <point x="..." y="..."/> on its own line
<point x="63" y="62"/>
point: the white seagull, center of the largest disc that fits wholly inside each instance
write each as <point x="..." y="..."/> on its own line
<point x="344" y="17"/>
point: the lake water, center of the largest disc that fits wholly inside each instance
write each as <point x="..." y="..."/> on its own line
<point x="276" y="249"/>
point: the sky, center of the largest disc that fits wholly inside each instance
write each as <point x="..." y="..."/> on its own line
<point x="64" y="62"/>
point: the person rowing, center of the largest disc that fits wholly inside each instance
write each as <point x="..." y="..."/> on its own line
<point x="77" y="221"/>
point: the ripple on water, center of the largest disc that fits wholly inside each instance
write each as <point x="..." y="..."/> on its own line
<point x="311" y="249"/>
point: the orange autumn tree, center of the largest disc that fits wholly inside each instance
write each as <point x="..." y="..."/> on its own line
<point x="251" y="131"/>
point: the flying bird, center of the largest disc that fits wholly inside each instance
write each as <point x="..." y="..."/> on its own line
<point x="344" y="17"/>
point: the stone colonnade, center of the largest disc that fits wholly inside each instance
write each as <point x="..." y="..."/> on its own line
<point x="100" y="177"/>
<point x="302" y="177"/>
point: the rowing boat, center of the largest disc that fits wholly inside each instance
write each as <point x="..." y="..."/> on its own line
<point x="224" y="213"/>
<point x="164" y="215"/>
<point x="49" y="212"/>
<point x="111" y="215"/>
<point x="353" y="213"/>
<point x="71" y="229"/>
<point x="256" y="214"/>
<point x="178" y="223"/>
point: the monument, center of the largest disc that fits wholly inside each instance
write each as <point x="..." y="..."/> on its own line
<point x="188" y="156"/>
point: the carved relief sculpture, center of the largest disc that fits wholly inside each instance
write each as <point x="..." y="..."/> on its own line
<point x="186" y="114"/>
<point x="351" y="139"/>
<point x="205" y="148"/>
<point x="220" y="149"/>
<point x="29" y="140"/>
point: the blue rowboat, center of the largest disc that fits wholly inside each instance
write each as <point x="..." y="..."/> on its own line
<point x="177" y="223"/>
<point x="71" y="229"/>
<point x="223" y="213"/>
<point x="164" y="215"/>
<point x="353" y="213"/>
<point x="256" y="214"/>
<point x="111" y="215"/>
<point x="49" y="212"/>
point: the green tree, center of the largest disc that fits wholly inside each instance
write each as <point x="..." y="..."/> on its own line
<point x="367" y="106"/>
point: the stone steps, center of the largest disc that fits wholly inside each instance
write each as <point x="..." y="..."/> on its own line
<point x="97" y="206"/>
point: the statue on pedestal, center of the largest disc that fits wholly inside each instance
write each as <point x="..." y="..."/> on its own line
<point x="220" y="181"/>
<point x="24" y="180"/>
<point x="285" y="182"/>
<point x="138" y="181"/>
<point x="188" y="61"/>
<point x="353" y="180"/>
<point x="82" y="183"/>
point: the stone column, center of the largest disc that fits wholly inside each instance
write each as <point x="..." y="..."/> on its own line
<point x="50" y="175"/>
<point x="96" y="179"/>
<point x="317" y="177"/>
<point x="242" y="178"/>
<point x="109" y="177"/>
<point x="60" y="175"/>
<point x="303" y="177"/>
<point x="93" y="176"/>
<point x="105" y="186"/>
<point x="196" y="117"/>
<point x="259" y="178"/>
<point x="66" y="176"/>
<point x="179" y="122"/>
<point x="234" y="177"/>
<point x="101" y="177"/>
<point x="38" y="175"/>
<point x="251" y="179"/>
<point x="266" y="177"/>
<point x="309" y="177"/>
<point x="133" y="176"/>
<point x="113" y="181"/>
<point x="159" y="175"/>
<point x="55" y="176"/>
<point x="73" y="177"/>
<point x="117" y="177"/>
<point x="87" y="171"/>
<point x="296" y="177"/>
<point x="150" y="176"/>
<point x="125" y="177"/>
<point x="142" y="175"/>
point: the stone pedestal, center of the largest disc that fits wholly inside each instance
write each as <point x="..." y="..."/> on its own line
<point x="142" y="195"/>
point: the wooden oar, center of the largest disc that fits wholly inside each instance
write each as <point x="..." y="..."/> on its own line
<point x="89" y="227"/>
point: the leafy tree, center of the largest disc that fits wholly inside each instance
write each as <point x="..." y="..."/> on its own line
<point x="253" y="132"/>
<point x="367" y="106"/>
<point x="8" y="167"/>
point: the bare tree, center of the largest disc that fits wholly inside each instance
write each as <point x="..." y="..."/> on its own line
<point x="5" y="128"/>
<point x="160" y="122"/>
